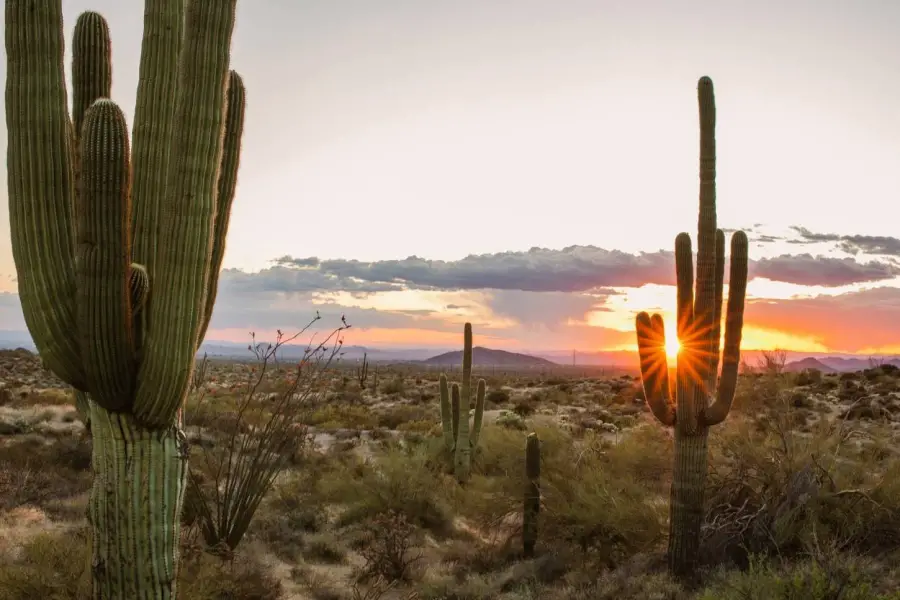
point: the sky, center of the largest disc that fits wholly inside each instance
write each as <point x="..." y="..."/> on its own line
<point x="526" y="165"/>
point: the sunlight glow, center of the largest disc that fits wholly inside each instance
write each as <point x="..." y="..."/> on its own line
<point x="672" y="346"/>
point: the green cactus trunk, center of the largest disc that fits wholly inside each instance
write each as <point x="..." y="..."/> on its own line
<point x="463" y="453"/>
<point x="686" y="503"/>
<point x="532" y="497"/>
<point x="135" y="506"/>
<point x="118" y="254"/>
<point x="449" y="432"/>
<point x="699" y="328"/>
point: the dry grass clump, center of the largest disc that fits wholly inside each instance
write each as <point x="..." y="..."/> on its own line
<point x="55" y="566"/>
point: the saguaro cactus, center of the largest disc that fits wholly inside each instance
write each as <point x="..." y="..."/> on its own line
<point x="459" y="439"/>
<point x="118" y="249"/>
<point x="532" y="498"/>
<point x="699" y="403"/>
<point x="362" y="372"/>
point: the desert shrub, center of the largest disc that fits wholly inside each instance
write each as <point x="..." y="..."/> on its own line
<point x="51" y="566"/>
<point x="33" y="472"/>
<point x="510" y="420"/>
<point x="324" y="548"/>
<point x="394" y="386"/>
<point x="205" y="577"/>
<point x="843" y="578"/>
<point x="496" y="397"/>
<point x="56" y="566"/>
<point x="809" y="377"/>
<point x="342" y="416"/>
<point x="394" y="416"/>
<point x="396" y="480"/>
<point x="290" y="513"/>
<point x="773" y="491"/>
<point x="390" y="549"/>
<point x="587" y="503"/>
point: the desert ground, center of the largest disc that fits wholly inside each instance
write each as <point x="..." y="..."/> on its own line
<point x="802" y="499"/>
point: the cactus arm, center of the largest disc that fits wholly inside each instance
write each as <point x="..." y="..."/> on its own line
<point x="91" y="65"/>
<point x="654" y="366"/>
<point x="479" y="412"/>
<point x="455" y="409"/>
<point x="684" y="275"/>
<point x="231" y="154"/>
<point x="734" y="324"/>
<point x="691" y="344"/>
<point x="103" y="263"/>
<point x="187" y="215"/>
<point x="532" y="499"/>
<point x="41" y="192"/>
<point x="717" y="315"/>
<point x="154" y="116"/>
<point x="447" y="417"/>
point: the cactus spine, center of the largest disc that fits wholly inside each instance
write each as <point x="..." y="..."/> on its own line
<point x="459" y="439"/>
<point x="532" y="498"/>
<point x="96" y="223"/>
<point x="698" y="328"/>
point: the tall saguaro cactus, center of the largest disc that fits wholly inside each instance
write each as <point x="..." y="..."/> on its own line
<point x="699" y="403"/>
<point x="118" y="249"/>
<point x="459" y="439"/>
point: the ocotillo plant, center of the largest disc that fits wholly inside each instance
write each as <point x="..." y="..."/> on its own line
<point x="459" y="440"/>
<point x="532" y="497"/>
<point x="699" y="315"/>
<point x="118" y="249"/>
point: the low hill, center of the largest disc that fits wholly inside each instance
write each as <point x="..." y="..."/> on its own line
<point x="809" y="363"/>
<point x="486" y="357"/>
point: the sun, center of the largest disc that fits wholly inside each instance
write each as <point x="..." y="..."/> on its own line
<point x="672" y="346"/>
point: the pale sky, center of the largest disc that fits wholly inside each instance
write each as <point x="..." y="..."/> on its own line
<point x="381" y="129"/>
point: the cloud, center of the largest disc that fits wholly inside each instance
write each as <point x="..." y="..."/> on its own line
<point x="853" y="244"/>
<point x="296" y="280"/>
<point x="806" y="269"/>
<point x="543" y="310"/>
<point x="850" y="322"/>
<point x="572" y="269"/>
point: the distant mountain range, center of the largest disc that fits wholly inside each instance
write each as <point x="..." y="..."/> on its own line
<point x="837" y="362"/>
<point x="490" y="358"/>
<point x="833" y="364"/>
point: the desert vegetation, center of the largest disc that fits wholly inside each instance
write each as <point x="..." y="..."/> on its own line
<point x="802" y="491"/>
<point x="130" y="470"/>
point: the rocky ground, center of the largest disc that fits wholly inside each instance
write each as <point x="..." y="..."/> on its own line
<point x="372" y="471"/>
